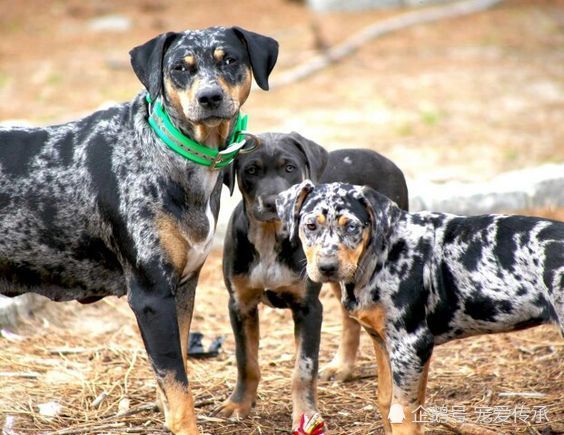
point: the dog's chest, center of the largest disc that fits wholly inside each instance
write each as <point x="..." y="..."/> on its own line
<point x="186" y="226"/>
<point x="199" y="248"/>
<point x="268" y="271"/>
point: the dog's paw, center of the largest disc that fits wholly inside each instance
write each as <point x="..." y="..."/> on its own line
<point x="230" y="409"/>
<point x="336" y="372"/>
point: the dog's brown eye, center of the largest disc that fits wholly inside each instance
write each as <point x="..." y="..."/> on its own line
<point x="181" y="67"/>
<point x="311" y="226"/>
<point x="229" y="60"/>
<point x="251" y="170"/>
<point x="290" y="168"/>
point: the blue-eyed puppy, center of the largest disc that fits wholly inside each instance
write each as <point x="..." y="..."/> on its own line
<point x="104" y="206"/>
<point x="416" y="280"/>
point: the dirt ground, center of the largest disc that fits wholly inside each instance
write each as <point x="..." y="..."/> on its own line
<point x="463" y="99"/>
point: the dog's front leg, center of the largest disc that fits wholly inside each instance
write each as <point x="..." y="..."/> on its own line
<point x="342" y="366"/>
<point x="307" y="314"/>
<point x="409" y="362"/>
<point x="185" y="295"/>
<point x="245" y="325"/>
<point x="154" y="305"/>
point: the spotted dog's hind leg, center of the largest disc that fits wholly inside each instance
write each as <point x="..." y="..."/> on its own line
<point x="342" y="366"/>
<point x="308" y="315"/>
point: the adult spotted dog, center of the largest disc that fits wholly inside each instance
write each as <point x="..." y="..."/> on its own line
<point x="125" y="200"/>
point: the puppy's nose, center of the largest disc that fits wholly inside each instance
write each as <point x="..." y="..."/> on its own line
<point x="269" y="203"/>
<point x="328" y="267"/>
<point x="210" y="98"/>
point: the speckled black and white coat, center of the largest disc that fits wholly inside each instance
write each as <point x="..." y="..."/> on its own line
<point x="426" y="278"/>
<point x="79" y="205"/>
<point x="101" y="206"/>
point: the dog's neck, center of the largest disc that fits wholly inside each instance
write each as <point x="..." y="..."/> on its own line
<point x="213" y="135"/>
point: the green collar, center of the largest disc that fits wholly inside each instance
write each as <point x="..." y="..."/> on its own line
<point x="190" y="149"/>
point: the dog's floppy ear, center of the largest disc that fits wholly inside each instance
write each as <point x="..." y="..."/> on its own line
<point x="263" y="53"/>
<point x="289" y="204"/>
<point x="315" y="155"/>
<point x="229" y="176"/>
<point x="147" y="62"/>
<point x="381" y="212"/>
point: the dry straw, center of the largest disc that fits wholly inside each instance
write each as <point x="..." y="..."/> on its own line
<point x="91" y="362"/>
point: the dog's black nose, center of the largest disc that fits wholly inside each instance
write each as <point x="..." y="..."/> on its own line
<point x="328" y="267"/>
<point x="210" y="98"/>
<point x="269" y="203"/>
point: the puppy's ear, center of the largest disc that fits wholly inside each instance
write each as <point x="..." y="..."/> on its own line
<point x="263" y="53"/>
<point x="315" y="155"/>
<point x="147" y="62"/>
<point x="289" y="204"/>
<point x="381" y="211"/>
<point x="229" y="176"/>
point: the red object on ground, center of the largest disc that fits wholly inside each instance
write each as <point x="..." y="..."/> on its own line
<point x="313" y="425"/>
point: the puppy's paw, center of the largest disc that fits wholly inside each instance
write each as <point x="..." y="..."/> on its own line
<point x="335" y="371"/>
<point x="230" y="409"/>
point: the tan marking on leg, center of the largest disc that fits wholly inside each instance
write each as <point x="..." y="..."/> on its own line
<point x="342" y="366"/>
<point x="384" y="381"/>
<point x="252" y="333"/>
<point x="246" y="296"/>
<point x="373" y="318"/>
<point x="250" y="297"/>
<point x="408" y="426"/>
<point x="241" y="407"/>
<point x="174" y="241"/>
<point x="184" y="310"/>
<point x="180" y="417"/>
<point x="422" y="388"/>
<point x="297" y="292"/>
<point x="247" y="299"/>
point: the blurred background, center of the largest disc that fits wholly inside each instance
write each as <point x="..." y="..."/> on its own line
<point x="463" y="98"/>
<point x="458" y="100"/>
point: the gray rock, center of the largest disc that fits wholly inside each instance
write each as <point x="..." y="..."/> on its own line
<point x="538" y="187"/>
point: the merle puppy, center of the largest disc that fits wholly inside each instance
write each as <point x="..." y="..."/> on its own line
<point x="261" y="264"/>
<point x="421" y="279"/>
<point x="125" y="200"/>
